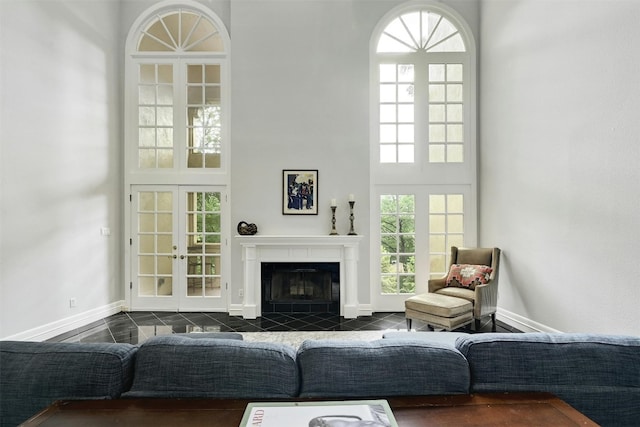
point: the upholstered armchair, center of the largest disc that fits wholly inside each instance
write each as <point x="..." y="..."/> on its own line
<point x="484" y="297"/>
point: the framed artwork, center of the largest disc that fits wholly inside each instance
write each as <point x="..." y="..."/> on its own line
<point x="300" y="192"/>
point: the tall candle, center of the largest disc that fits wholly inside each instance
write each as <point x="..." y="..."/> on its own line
<point x="333" y="203"/>
<point x="352" y="198"/>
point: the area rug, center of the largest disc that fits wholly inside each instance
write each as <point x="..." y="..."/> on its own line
<point x="295" y="338"/>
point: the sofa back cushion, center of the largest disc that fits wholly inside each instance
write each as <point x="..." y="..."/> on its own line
<point x="35" y="374"/>
<point x="217" y="335"/>
<point x="176" y="366"/>
<point x="597" y="374"/>
<point x="388" y="367"/>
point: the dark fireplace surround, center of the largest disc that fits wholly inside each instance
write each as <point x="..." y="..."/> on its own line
<point x="300" y="287"/>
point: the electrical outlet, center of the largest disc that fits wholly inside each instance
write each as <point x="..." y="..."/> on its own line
<point x="240" y="292"/>
<point x="72" y="303"/>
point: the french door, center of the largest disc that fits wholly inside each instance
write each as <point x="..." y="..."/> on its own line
<point x="413" y="236"/>
<point x="178" y="248"/>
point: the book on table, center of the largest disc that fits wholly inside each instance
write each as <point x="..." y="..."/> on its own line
<point x="350" y="413"/>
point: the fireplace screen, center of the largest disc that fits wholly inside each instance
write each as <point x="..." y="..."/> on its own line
<point x="300" y="287"/>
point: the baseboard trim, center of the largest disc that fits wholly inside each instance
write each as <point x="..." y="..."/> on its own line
<point x="50" y="330"/>
<point x="365" y="310"/>
<point x="236" y="309"/>
<point x="522" y="323"/>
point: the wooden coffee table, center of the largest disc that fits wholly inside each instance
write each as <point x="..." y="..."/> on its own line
<point x="521" y="409"/>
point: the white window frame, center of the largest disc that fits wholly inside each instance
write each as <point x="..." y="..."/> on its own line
<point x="395" y="302"/>
<point x="179" y="175"/>
<point x="421" y="177"/>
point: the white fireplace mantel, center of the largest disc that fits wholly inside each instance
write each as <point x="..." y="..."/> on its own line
<point x="277" y="248"/>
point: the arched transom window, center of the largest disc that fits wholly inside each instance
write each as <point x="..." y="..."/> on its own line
<point x="181" y="31"/>
<point x="421" y="31"/>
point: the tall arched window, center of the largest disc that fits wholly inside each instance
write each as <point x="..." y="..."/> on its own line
<point x="421" y="58"/>
<point x="176" y="159"/>
<point x="177" y="83"/>
<point x="423" y="171"/>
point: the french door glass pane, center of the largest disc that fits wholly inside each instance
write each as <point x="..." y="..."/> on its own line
<point x="397" y="244"/>
<point x="446" y="229"/>
<point x="203" y="236"/>
<point x="155" y="232"/>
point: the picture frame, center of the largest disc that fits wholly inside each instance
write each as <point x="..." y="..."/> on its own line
<point x="300" y="192"/>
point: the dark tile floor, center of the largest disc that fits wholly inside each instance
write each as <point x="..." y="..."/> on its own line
<point x="137" y="327"/>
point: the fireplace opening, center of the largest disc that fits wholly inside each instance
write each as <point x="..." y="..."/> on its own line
<point x="300" y="287"/>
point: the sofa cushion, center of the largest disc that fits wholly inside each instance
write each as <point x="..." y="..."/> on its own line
<point x="447" y="338"/>
<point x="217" y="335"/>
<point x="597" y="374"/>
<point x="35" y="374"/>
<point x="387" y="367"/>
<point x="174" y="366"/>
<point x="468" y="275"/>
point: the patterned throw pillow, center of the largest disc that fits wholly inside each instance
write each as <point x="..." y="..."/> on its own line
<point x="468" y="276"/>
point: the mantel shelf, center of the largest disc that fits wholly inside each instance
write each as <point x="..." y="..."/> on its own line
<point x="276" y="239"/>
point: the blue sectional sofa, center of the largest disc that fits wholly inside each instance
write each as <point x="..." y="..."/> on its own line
<point x="34" y="374"/>
<point x="597" y="374"/>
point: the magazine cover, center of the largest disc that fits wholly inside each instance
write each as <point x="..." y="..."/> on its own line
<point x="357" y="413"/>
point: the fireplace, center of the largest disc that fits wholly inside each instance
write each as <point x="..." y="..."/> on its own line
<point x="300" y="287"/>
<point x="261" y="249"/>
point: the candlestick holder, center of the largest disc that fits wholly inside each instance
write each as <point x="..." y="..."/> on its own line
<point x="351" y="231"/>
<point x="334" y="232"/>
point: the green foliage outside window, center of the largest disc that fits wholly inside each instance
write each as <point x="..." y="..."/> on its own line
<point x="208" y="217"/>
<point x="397" y="231"/>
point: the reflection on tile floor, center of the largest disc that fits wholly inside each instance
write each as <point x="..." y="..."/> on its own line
<point x="137" y="327"/>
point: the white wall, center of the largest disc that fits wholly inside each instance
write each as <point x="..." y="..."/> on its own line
<point x="299" y="95"/>
<point x="60" y="165"/>
<point x="559" y="172"/>
<point x="300" y="100"/>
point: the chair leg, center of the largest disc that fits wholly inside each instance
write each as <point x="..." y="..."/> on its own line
<point x="408" y="325"/>
<point x="478" y="325"/>
<point x="430" y="327"/>
<point x="493" y="322"/>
